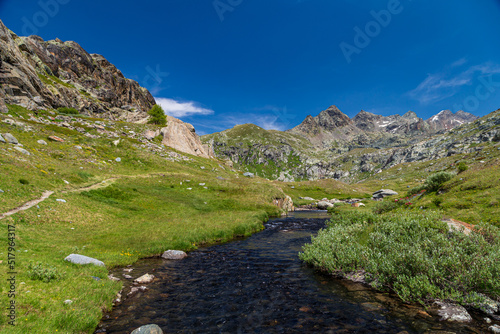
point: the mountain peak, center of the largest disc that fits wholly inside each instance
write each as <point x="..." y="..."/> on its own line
<point x="410" y="115"/>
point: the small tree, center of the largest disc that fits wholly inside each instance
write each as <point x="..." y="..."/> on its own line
<point x="462" y="167"/>
<point x="158" y="116"/>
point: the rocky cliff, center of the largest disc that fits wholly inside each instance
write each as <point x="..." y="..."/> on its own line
<point x="40" y="74"/>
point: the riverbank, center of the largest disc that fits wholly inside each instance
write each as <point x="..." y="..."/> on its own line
<point x="413" y="254"/>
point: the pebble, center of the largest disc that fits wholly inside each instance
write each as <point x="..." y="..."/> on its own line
<point x="61" y="200"/>
<point x="42" y="142"/>
<point x="68" y="302"/>
<point x="118" y="159"/>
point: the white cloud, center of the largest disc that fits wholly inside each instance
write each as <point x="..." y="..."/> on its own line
<point x="438" y="86"/>
<point x="267" y="122"/>
<point x="181" y="109"/>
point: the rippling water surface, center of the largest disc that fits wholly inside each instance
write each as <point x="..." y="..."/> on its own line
<point x="258" y="285"/>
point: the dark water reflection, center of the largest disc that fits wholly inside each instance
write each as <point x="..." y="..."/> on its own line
<point x="258" y="285"/>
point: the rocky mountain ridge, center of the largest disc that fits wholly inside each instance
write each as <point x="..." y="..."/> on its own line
<point x="332" y="127"/>
<point x="347" y="149"/>
<point x="39" y="74"/>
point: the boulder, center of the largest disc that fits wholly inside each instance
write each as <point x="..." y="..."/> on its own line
<point x="10" y="138"/>
<point x="383" y="193"/>
<point x="248" y="174"/>
<point x="494" y="329"/>
<point x="307" y="198"/>
<point x="22" y="150"/>
<point x="452" y="312"/>
<point x="147" y="278"/>
<point x="42" y="142"/>
<point x="82" y="259"/>
<point x="57" y="139"/>
<point x="148" y="329"/>
<point x="174" y="255"/>
<point x="323" y="205"/>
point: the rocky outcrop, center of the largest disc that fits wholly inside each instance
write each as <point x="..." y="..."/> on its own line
<point x="40" y="74"/>
<point x="182" y="137"/>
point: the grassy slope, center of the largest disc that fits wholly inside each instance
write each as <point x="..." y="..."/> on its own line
<point x="144" y="211"/>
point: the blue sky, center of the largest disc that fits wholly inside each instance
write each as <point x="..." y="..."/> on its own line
<point x="220" y="63"/>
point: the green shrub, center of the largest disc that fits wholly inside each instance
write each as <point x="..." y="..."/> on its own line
<point x="43" y="272"/>
<point x="385" y="206"/>
<point x="158" y="116"/>
<point x="462" y="167"/>
<point x="412" y="254"/>
<point x="24" y="181"/>
<point x="437" y="201"/>
<point x="70" y="111"/>
<point x="434" y="182"/>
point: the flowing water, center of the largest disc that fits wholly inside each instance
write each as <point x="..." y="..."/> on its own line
<point x="259" y="285"/>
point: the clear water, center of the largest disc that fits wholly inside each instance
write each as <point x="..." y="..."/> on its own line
<point x="258" y="285"/>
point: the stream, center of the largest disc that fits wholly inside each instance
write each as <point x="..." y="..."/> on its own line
<point x="259" y="285"/>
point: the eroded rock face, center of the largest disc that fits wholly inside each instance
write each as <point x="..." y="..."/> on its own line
<point x="40" y="74"/>
<point x="182" y="136"/>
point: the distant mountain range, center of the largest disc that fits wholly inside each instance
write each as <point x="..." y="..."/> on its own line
<point x="367" y="129"/>
<point x="332" y="145"/>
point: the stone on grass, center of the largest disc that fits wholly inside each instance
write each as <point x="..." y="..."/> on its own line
<point x="174" y="255"/>
<point x="10" y="138"/>
<point x="42" y="142"/>
<point x="55" y="138"/>
<point x="307" y="198"/>
<point x="248" y="174"/>
<point x="144" y="279"/>
<point x="118" y="159"/>
<point x="22" y="150"/>
<point x="148" y="329"/>
<point x="82" y="259"/>
<point x="383" y="193"/>
<point x="323" y="205"/>
<point x="61" y="200"/>
<point x="68" y="302"/>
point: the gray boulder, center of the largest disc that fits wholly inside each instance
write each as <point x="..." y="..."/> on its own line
<point x="21" y="150"/>
<point x="307" y="198"/>
<point x="148" y="329"/>
<point x="42" y="142"/>
<point x="174" y="255"/>
<point x="494" y="329"/>
<point x="10" y="138"/>
<point x="248" y="174"/>
<point x="82" y="259"/>
<point x="323" y="205"/>
<point x="384" y="193"/>
<point x="452" y="312"/>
